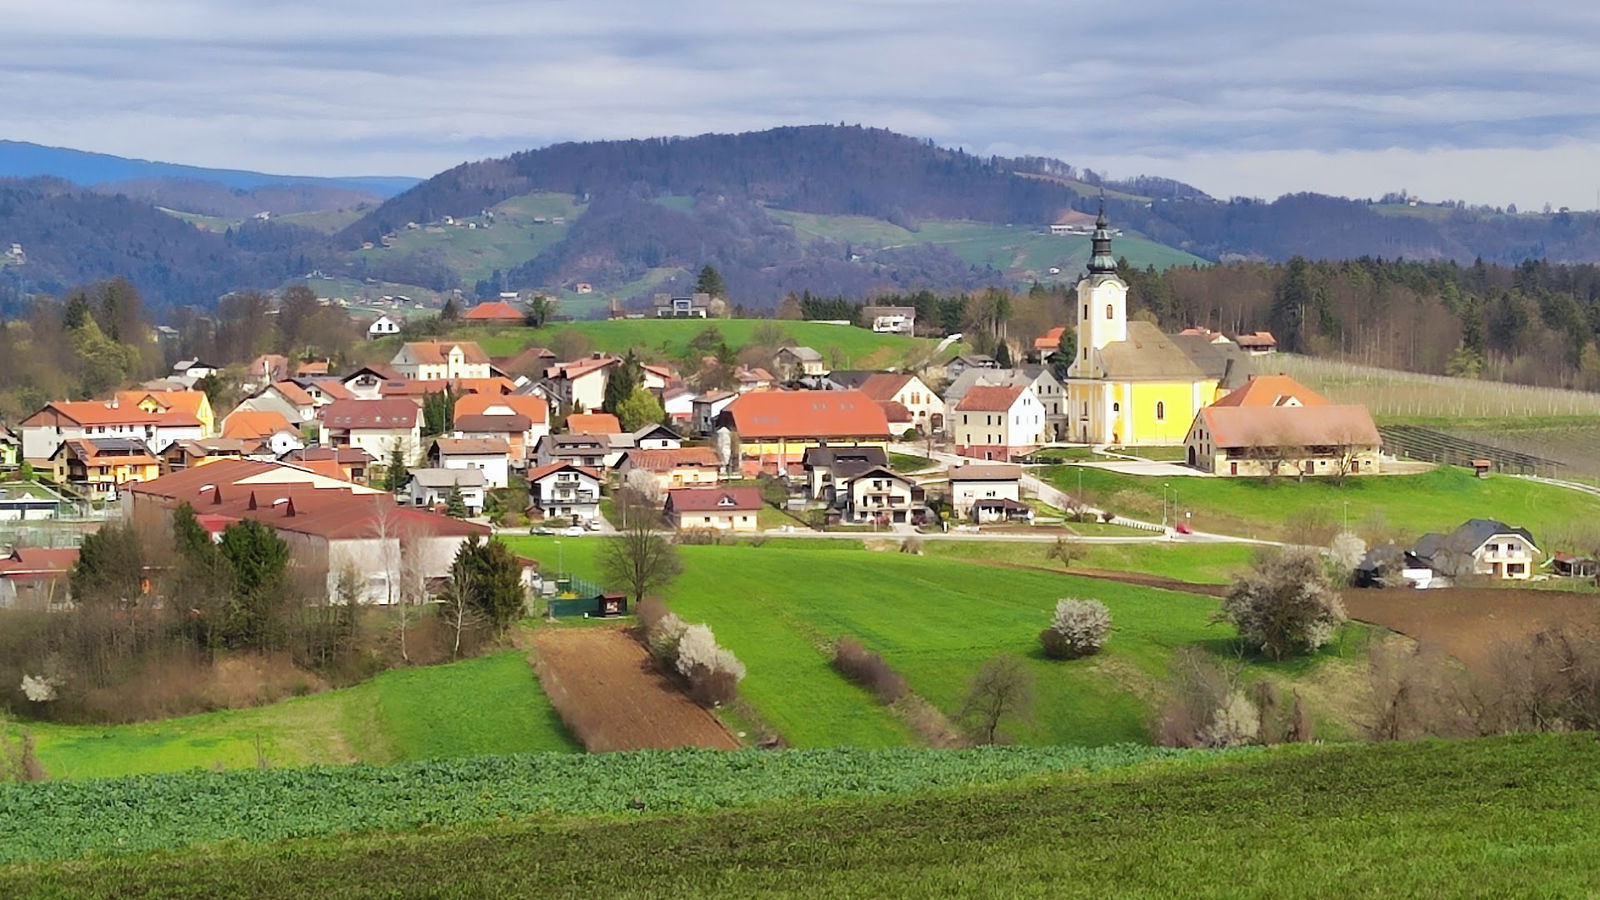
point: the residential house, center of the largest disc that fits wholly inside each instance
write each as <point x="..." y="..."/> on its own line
<point x="10" y="448"/>
<point x="379" y="427"/>
<point x="998" y="422"/>
<point x="325" y="390"/>
<point x="655" y="437"/>
<point x="1259" y="343"/>
<point x="672" y="468"/>
<point x="1050" y="344"/>
<point x="350" y="464"/>
<point x="29" y="501"/>
<point x="774" y="428"/>
<point x="530" y="362"/>
<point x="1480" y="547"/>
<point x="1271" y="390"/>
<point x="383" y="326"/>
<point x="1388" y="565"/>
<point x="188" y="454"/>
<point x="190" y="403"/>
<point x="521" y="419"/>
<point x="975" y="482"/>
<point x="311" y="368"/>
<point x="264" y="370"/>
<point x="188" y="371"/>
<point x="828" y="469"/>
<point x="890" y="319"/>
<point x="431" y="488"/>
<point x="286" y="398"/>
<point x="922" y="408"/>
<point x="882" y="496"/>
<point x="582" y="383"/>
<point x="708" y="408"/>
<point x="593" y="423"/>
<point x="491" y="456"/>
<point x="43" y="432"/>
<point x="753" y="378"/>
<point x="694" y="306"/>
<point x="36" y="579"/>
<point x="440" y="361"/>
<point x="99" y="467"/>
<point x="677" y="402"/>
<point x="1253" y="440"/>
<point x="959" y="364"/>
<point x="264" y="426"/>
<point x="585" y="450"/>
<point x="331" y="526"/>
<point x="796" y="362"/>
<point x="494" y="312"/>
<point x="366" y="383"/>
<point x="720" y="508"/>
<point x="564" y="489"/>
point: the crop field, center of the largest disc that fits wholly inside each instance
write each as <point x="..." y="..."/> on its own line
<point x="1393" y="396"/>
<point x="1406" y="505"/>
<point x="63" y="820"/>
<point x="1499" y="817"/>
<point x="936" y="619"/>
<point x="1020" y="251"/>
<point x="491" y="704"/>
<point x="852" y="347"/>
<point x="1472" y="624"/>
<point x="1572" y="442"/>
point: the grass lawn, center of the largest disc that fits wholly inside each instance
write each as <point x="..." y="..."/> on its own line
<point x="849" y="347"/>
<point x="936" y="618"/>
<point x="491" y="704"/>
<point x="1196" y="563"/>
<point x="1400" y="505"/>
<point x="1163" y="453"/>
<point x="905" y="462"/>
<point x="1500" y="817"/>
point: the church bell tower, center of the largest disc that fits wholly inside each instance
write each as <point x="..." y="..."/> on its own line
<point x="1102" y="302"/>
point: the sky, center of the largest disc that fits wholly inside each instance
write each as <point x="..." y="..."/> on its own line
<point x="1488" y="102"/>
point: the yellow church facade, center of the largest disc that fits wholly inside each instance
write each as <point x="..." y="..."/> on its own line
<point x="1130" y="384"/>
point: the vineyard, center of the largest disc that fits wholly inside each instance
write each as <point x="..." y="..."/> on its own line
<point x="1416" y="442"/>
<point x="65" y="820"/>
<point x="1394" y="395"/>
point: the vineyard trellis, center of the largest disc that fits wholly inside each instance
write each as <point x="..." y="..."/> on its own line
<point x="1448" y="449"/>
<point x="1390" y="393"/>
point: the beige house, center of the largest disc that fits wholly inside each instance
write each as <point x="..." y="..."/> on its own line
<point x="976" y="482"/>
<point x="926" y="408"/>
<point x="719" y="508"/>
<point x="997" y="422"/>
<point x="1481" y="547"/>
<point x="440" y="361"/>
<point x="673" y="468"/>
<point x="798" y="362"/>
<point x="1295" y="440"/>
<point x="881" y="495"/>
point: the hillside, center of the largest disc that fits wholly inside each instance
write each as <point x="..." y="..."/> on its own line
<point x="1493" y="817"/>
<point x="19" y="159"/>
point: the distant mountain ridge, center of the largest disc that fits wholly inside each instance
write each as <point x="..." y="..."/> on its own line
<point x="21" y="159"/>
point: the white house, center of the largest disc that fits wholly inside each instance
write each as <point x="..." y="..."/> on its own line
<point x="1480" y="547"/>
<point x="797" y="362"/>
<point x="430" y="488"/>
<point x="656" y="437"/>
<point x="582" y="383"/>
<point x="997" y="422"/>
<point x="925" y="408"/>
<point x="382" y="327"/>
<point x="43" y="432"/>
<point x="976" y="482"/>
<point x="881" y="495"/>
<point x="441" y="361"/>
<point x="716" y="508"/>
<point x="707" y="407"/>
<point x="491" y="456"/>
<point x="376" y="426"/>
<point x="564" y="489"/>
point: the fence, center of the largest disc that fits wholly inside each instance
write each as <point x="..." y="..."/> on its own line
<point x="574" y="597"/>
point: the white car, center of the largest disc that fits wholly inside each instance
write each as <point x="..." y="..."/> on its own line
<point x="572" y="531"/>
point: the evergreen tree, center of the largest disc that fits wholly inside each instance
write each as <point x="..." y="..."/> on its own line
<point x="1002" y="355"/>
<point x="455" y="505"/>
<point x="438" y="412"/>
<point x="110" y="568"/>
<point x="625" y="379"/>
<point x="396" y="475"/>
<point x="1288" y="313"/>
<point x="710" y="282"/>
<point x="450" y="312"/>
<point x="258" y="561"/>
<point x="492" y="578"/>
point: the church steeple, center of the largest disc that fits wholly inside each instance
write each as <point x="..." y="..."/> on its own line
<point x="1102" y="262"/>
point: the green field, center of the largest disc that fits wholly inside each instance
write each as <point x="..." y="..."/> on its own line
<point x="511" y="239"/>
<point x="1195" y="563"/>
<point x="936" y="619"/>
<point x="855" y="348"/>
<point x="487" y="705"/>
<point x="1404" y="504"/>
<point x="1022" y="252"/>
<point x="1501" y="817"/>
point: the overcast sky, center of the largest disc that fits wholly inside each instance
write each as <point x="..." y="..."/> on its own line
<point x="1488" y="102"/>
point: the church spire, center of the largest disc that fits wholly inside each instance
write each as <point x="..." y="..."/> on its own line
<point x="1102" y="262"/>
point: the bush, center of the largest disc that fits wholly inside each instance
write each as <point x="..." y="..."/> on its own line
<point x="868" y="669"/>
<point x="1079" y="628"/>
<point x="713" y="672"/>
<point x="1205" y="706"/>
<point x="1284" y="604"/>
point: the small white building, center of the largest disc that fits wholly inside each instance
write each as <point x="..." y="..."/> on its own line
<point x="382" y="327"/>
<point x="890" y="319"/>
<point x="431" y="488"/>
<point x="491" y="456"/>
<point x="376" y="426"/>
<point x="997" y="422"/>
<point x="984" y="481"/>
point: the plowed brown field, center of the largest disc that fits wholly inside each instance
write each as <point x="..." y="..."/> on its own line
<point x="612" y="697"/>
<point x="1467" y="623"/>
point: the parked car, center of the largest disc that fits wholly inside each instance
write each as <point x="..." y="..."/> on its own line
<point x="572" y="531"/>
<point x="1183" y="528"/>
<point x="542" y="530"/>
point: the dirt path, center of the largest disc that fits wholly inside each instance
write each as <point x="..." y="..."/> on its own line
<point x="612" y="696"/>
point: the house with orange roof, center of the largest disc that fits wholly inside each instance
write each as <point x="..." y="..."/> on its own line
<point x="43" y="432"/>
<point x="1271" y="432"/>
<point x="494" y="312"/>
<point x="564" y="489"/>
<point x="582" y="383"/>
<point x="922" y="408"/>
<point x="98" y="467"/>
<point x="775" y="427"/>
<point x="520" y="419"/>
<point x="995" y="421"/>
<point x="265" y="427"/>
<point x="188" y="454"/>
<point x="1049" y="344"/>
<point x="673" y="468"/>
<point x="593" y="423"/>
<point x="1272" y="390"/>
<point x="344" y="463"/>
<point x="193" y="403"/>
<point x="286" y="398"/>
<point x="491" y="456"/>
<point x="441" y="360"/>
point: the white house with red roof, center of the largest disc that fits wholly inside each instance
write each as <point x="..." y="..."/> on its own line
<point x="563" y="489"/>
<point x="43" y="432"/>
<point x="997" y="422"/>
<point x="441" y="361"/>
<point x="924" y="410"/>
<point x="718" y="508"/>
<point x="376" y="426"/>
<point x="493" y="312"/>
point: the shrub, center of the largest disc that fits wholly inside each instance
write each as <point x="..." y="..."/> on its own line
<point x="868" y="669"/>
<point x="1079" y="628"/>
<point x="1205" y="706"/>
<point x="1284" y="604"/>
<point x="1001" y="692"/>
<point x="912" y="546"/>
<point x="713" y="672"/>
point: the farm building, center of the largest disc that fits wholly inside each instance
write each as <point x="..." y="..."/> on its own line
<point x="493" y="312"/>
<point x="1130" y="384"/>
<point x="1323" y="440"/>
<point x="775" y="428"/>
<point x="719" y="508"/>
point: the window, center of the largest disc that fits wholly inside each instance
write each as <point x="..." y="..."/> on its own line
<point x="1110" y="314"/>
<point x="1161" y="411"/>
<point x="1086" y="311"/>
<point x="1116" y="407"/>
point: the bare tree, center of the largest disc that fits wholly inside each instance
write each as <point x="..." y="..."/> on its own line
<point x="400" y="560"/>
<point x="1066" y="550"/>
<point x="640" y="558"/>
<point x="1001" y="692"/>
<point x="457" y="609"/>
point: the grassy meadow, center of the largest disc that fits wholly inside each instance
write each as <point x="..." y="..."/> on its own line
<point x="937" y="619"/>
<point x="1384" y="505"/>
<point x="491" y="704"/>
<point x="1497" y="817"/>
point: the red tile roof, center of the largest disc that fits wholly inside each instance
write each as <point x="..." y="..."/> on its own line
<point x="541" y="471"/>
<point x="806" y="415"/>
<point x="1259" y="339"/>
<point x="391" y="413"/>
<point x="437" y="353"/>
<point x="187" y="402"/>
<point x="593" y="423"/>
<point x="667" y="460"/>
<point x="36" y="561"/>
<point x="717" y="499"/>
<point x="1290" y="426"/>
<point x="884" y="385"/>
<point x="991" y="397"/>
<point x="1272" y="390"/>
<point x="494" y="311"/>
<point x="254" y="424"/>
<point x="533" y="408"/>
<point x="472" y="446"/>
<point x="91" y="412"/>
<point x="293" y="393"/>
<point x="895" y="412"/>
<point x="482" y="424"/>
<point x="1051" y="339"/>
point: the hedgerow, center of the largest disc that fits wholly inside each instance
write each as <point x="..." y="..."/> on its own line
<point x="69" y="819"/>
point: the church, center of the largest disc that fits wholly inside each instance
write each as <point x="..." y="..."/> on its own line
<point x="1130" y="384"/>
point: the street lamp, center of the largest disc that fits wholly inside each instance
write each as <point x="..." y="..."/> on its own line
<point x="1164" y="488"/>
<point x="561" y="568"/>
